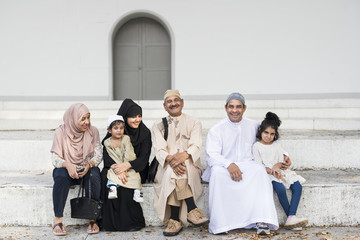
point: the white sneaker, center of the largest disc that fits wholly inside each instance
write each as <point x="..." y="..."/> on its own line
<point x="262" y="229"/>
<point x="295" y="222"/>
<point x="138" y="196"/>
<point x="297" y="229"/>
<point x="112" y="193"/>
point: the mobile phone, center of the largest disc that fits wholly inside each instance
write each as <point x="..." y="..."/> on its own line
<point x="79" y="170"/>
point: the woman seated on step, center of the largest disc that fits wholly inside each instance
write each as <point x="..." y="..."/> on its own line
<point x="76" y="152"/>
<point x="124" y="212"/>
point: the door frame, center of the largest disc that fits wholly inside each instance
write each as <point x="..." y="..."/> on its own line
<point x="118" y="24"/>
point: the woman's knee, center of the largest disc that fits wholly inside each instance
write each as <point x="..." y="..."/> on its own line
<point x="95" y="171"/>
<point x="61" y="175"/>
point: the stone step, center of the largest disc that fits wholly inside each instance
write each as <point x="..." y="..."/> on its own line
<point x="312" y="114"/>
<point x="155" y="104"/>
<point x="207" y="123"/>
<point x="257" y="113"/>
<point x="30" y="150"/>
<point x="329" y="198"/>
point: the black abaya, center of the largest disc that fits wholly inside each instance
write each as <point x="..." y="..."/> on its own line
<point x="123" y="213"/>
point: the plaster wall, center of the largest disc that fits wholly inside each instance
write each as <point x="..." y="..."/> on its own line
<point x="63" y="48"/>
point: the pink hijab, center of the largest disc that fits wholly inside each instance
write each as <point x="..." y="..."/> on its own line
<point x="70" y="143"/>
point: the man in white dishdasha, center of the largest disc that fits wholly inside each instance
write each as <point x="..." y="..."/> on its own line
<point x="240" y="192"/>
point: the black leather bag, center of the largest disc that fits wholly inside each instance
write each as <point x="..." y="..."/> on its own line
<point x="155" y="163"/>
<point x="83" y="207"/>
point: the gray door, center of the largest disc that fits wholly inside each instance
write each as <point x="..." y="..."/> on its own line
<point x="142" y="60"/>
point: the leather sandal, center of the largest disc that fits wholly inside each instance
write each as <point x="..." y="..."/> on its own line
<point x="92" y="223"/>
<point x="61" y="226"/>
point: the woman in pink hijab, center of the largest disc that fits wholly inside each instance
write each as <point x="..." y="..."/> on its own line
<point x="76" y="152"/>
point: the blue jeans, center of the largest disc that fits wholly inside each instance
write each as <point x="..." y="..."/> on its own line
<point x="296" y="189"/>
<point x="62" y="183"/>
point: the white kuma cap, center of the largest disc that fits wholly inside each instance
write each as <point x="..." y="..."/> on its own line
<point x="113" y="118"/>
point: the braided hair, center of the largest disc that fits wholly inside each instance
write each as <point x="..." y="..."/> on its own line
<point x="271" y="120"/>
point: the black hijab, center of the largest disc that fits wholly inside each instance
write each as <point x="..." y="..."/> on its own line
<point x="128" y="109"/>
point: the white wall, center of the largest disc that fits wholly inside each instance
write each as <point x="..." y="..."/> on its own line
<point x="61" y="48"/>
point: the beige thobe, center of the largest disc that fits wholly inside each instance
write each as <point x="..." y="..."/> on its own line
<point x="184" y="135"/>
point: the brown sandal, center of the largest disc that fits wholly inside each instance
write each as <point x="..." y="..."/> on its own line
<point x="92" y="223"/>
<point x="61" y="226"/>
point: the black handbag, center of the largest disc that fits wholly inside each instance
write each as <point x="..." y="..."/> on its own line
<point x="155" y="163"/>
<point x="83" y="207"/>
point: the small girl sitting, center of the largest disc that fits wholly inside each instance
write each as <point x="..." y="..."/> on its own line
<point x="120" y="149"/>
<point x="269" y="152"/>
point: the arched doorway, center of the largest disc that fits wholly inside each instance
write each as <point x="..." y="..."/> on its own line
<point x="141" y="60"/>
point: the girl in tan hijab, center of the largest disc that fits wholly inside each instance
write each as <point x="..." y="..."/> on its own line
<point x="76" y="151"/>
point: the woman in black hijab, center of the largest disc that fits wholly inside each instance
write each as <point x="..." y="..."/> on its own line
<point x="123" y="213"/>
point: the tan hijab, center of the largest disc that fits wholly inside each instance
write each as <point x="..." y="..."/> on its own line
<point x="70" y="143"/>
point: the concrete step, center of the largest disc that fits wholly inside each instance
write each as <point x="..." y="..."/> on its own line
<point x="320" y="113"/>
<point x="155" y="104"/>
<point x="313" y="114"/>
<point x="329" y="198"/>
<point x="30" y="150"/>
<point x="207" y="123"/>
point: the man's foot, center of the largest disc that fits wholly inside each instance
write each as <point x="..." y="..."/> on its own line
<point x="93" y="227"/>
<point x="138" y="196"/>
<point x="59" y="230"/>
<point x="297" y="229"/>
<point x="173" y="228"/>
<point x="112" y="192"/>
<point x="196" y="218"/>
<point x="262" y="229"/>
<point x="295" y="222"/>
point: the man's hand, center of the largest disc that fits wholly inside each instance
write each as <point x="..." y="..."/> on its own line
<point x="180" y="169"/>
<point x="177" y="162"/>
<point x="286" y="164"/>
<point x="235" y="172"/>
<point x="177" y="159"/>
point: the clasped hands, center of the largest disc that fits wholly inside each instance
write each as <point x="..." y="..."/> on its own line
<point x="276" y="171"/>
<point x="73" y="170"/>
<point x="120" y="169"/>
<point x="177" y="162"/>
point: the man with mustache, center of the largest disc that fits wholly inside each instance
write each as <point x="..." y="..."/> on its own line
<point x="177" y="182"/>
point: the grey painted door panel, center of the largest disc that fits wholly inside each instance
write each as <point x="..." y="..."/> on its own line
<point x="142" y="62"/>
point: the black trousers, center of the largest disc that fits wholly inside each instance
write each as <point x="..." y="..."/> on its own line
<point x="62" y="183"/>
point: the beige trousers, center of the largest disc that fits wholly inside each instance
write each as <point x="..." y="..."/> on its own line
<point x="181" y="192"/>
